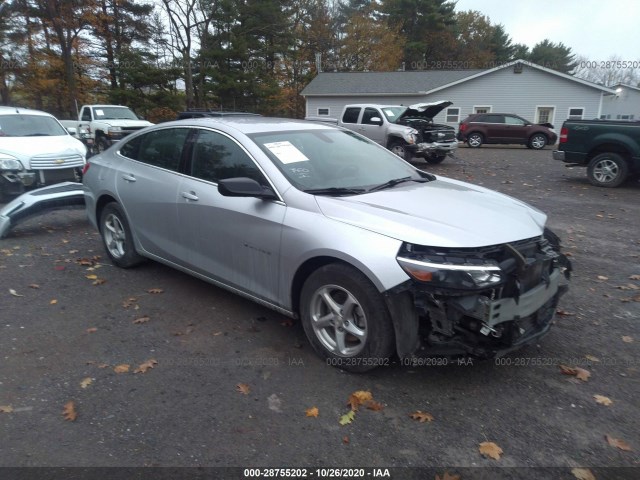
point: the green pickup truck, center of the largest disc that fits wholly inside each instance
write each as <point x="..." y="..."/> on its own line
<point x="609" y="149"/>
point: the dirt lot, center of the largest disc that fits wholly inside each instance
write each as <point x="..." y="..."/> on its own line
<point x="68" y="320"/>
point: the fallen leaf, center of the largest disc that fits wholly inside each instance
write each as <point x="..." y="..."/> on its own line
<point x="215" y="334"/>
<point x="375" y="406"/>
<point x="59" y="267"/>
<point x="122" y="368"/>
<point x="421" y="416"/>
<point x="86" y="382"/>
<point x="69" y="411"/>
<point x="92" y="330"/>
<point x="312" y="412"/>
<point x="99" y="281"/>
<point x="564" y="313"/>
<point x="14" y="293"/>
<point x="592" y="358"/>
<point x="155" y="290"/>
<point x="104" y="365"/>
<point x="345" y="440"/>
<point x="347" y="417"/>
<point x="582" y="374"/>
<point x="129" y="302"/>
<point x="143" y="367"/>
<point x="243" y="388"/>
<point x="583" y="474"/>
<point x="602" y="400"/>
<point x="53" y="302"/>
<point x="140" y="320"/>
<point x="602" y="277"/>
<point x="634" y="277"/>
<point x="447" y="476"/>
<point x="627" y="339"/>
<point x="91" y="277"/>
<point x="6" y="409"/>
<point x="631" y="299"/>
<point x="359" y="398"/>
<point x="616" y="442"/>
<point x="490" y="449"/>
<point x="34" y="285"/>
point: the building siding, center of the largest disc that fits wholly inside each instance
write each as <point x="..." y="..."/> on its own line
<point x="503" y="90"/>
<point x="626" y="102"/>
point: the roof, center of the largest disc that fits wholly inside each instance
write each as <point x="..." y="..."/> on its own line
<point x="422" y="82"/>
<point x="24" y="111"/>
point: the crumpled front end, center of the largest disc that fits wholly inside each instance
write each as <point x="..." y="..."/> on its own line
<point x="478" y="302"/>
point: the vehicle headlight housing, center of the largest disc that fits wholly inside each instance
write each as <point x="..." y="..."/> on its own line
<point x="462" y="276"/>
<point x="410" y="136"/>
<point x="9" y="162"/>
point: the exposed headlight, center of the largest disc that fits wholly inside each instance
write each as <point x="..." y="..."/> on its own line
<point x="410" y="136"/>
<point x="451" y="276"/>
<point x="9" y="162"/>
<point x="115" y="129"/>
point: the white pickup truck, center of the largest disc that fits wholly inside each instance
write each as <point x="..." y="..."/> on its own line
<point x="106" y="124"/>
<point x="406" y="131"/>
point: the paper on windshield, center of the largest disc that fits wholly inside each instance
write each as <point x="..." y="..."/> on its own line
<point x="286" y="152"/>
<point x="99" y="113"/>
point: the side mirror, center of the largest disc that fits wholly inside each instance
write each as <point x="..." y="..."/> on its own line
<point x="375" y="121"/>
<point x="245" y="187"/>
<point x="72" y="131"/>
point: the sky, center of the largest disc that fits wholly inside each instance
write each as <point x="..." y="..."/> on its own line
<point x="595" y="29"/>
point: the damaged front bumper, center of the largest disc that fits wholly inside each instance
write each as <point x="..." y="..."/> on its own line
<point x="480" y="322"/>
<point x="436" y="146"/>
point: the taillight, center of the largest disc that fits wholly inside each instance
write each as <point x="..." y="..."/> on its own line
<point x="564" y="133"/>
<point x="85" y="168"/>
<point x="463" y="127"/>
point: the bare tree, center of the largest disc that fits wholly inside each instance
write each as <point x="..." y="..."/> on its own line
<point x="613" y="71"/>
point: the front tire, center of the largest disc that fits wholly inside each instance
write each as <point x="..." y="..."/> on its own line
<point x="101" y="144"/>
<point x="538" y="141"/>
<point x="345" y="319"/>
<point x="607" y="170"/>
<point x="475" y="140"/>
<point x="399" y="147"/>
<point x="117" y="237"/>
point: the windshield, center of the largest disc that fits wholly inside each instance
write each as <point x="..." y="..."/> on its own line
<point x="333" y="159"/>
<point x="393" y="113"/>
<point x="30" y="126"/>
<point x="113" y="113"/>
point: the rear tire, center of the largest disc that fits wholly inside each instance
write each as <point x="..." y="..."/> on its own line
<point x="117" y="237"/>
<point x="345" y="319"/>
<point x="607" y="170"/>
<point x="475" y="140"/>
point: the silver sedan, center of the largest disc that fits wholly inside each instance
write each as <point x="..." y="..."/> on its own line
<point x="375" y="257"/>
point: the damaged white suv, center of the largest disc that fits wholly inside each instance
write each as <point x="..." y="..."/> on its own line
<point x="374" y="256"/>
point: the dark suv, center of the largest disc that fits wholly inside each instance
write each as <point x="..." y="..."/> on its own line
<point x="482" y="128"/>
<point x="212" y="113"/>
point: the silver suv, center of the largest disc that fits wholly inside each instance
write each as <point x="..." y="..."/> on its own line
<point x="375" y="257"/>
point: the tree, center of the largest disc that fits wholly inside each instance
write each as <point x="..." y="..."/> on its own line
<point x="555" y="56"/>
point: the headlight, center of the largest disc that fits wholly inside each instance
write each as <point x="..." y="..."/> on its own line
<point x="8" y="162"/>
<point x="410" y="136"/>
<point x="452" y="276"/>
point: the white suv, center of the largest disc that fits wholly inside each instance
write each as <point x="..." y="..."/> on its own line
<point x="36" y="150"/>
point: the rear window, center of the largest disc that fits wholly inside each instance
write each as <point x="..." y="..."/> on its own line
<point x="351" y="115"/>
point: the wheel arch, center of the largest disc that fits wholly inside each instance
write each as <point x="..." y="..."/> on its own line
<point x="393" y="139"/>
<point x="103" y="201"/>
<point x="609" y="147"/>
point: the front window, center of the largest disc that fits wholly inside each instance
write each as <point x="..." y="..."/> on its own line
<point x="113" y="113"/>
<point x="30" y="126"/>
<point x="453" y="115"/>
<point x="509" y="120"/>
<point x="325" y="159"/>
<point x="368" y="114"/>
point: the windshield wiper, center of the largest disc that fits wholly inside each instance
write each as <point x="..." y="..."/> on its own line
<point x="38" y="135"/>
<point x="396" y="181"/>
<point x="335" y="191"/>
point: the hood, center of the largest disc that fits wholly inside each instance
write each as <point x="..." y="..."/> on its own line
<point x="119" y="122"/>
<point x="441" y="213"/>
<point x="425" y="110"/>
<point x="25" y="148"/>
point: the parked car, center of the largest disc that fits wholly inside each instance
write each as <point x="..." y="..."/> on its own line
<point x="609" y="149"/>
<point x="506" y="128"/>
<point x="406" y="131"/>
<point x="36" y="150"/>
<point x="319" y="223"/>
<point x="199" y="113"/>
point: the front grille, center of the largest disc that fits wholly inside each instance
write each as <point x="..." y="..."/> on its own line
<point x="55" y="162"/>
<point x="440" y="135"/>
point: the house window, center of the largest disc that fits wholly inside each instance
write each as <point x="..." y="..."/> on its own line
<point x="453" y="115"/>
<point x="544" y="114"/>
<point x="624" y="117"/>
<point x="576" y="113"/>
<point x="323" y="111"/>
<point x="482" y="109"/>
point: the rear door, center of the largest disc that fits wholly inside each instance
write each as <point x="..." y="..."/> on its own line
<point x="234" y="240"/>
<point x="147" y="183"/>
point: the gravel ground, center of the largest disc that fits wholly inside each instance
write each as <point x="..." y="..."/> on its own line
<point x="69" y="318"/>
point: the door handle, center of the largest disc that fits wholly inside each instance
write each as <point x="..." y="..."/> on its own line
<point x="190" y="196"/>
<point x="128" y="177"/>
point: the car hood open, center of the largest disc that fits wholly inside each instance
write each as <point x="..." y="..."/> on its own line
<point x="425" y="110"/>
<point x="443" y="213"/>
